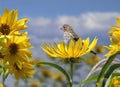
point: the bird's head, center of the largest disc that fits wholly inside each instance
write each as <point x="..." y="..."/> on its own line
<point x="66" y="28"/>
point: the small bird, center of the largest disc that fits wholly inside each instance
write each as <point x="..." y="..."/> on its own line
<point x="70" y="34"/>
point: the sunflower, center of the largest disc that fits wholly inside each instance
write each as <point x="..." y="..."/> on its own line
<point x="116" y="81"/>
<point x="15" y="48"/>
<point x="117" y="27"/>
<point x="73" y="50"/>
<point x="114" y="47"/>
<point x="9" y="22"/>
<point x="22" y="70"/>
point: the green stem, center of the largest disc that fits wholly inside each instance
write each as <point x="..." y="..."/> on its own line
<point x="105" y="67"/>
<point x="3" y="81"/>
<point x="3" y="77"/>
<point x="26" y="82"/>
<point x="71" y="73"/>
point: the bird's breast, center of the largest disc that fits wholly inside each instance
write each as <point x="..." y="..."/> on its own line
<point x="67" y="37"/>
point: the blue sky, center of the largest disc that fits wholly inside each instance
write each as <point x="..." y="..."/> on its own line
<point x="89" y="18"/>
<point x="53" y="8"/>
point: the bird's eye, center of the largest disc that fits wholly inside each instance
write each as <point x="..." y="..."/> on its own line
<point x="63" y="26"/>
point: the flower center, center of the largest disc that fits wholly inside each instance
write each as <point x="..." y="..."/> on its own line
<point x="1" y="56"/>
<point x="4" y="29"/>
<point x="13" y="48"/>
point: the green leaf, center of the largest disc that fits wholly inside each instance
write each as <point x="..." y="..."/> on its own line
<point x="1" y="40"/>
<point x="1" y="70"/>
<point x="109" y="72"/>
<point x="5" y="74"/>
<point x="90" y="79"/>
<point x="105" y="67"/>
<point x="58" y="68"/>
<point x="107" y="84"/>
<point x="115" y="74"/>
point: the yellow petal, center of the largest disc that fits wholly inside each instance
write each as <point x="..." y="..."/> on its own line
<point x="84" y="47"/>
<point x="60" y="50"/>
<point x="92" y="45"/>
<point x="5" y="15"/>
<point x="48" y="52"/>
<point x="111" y="52"/>
<point x="22" y="21"/>
<point x="20" y="24"/>
<point x="78" y="47"/>
<point x="71" y="48"/>
<point x="115" y="27"/>
<point x="15" y="16"/>
<point x="118" y="21"/>
<point x="10" y="18"/>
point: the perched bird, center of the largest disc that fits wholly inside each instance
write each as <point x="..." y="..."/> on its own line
<point x="70" y="34"/>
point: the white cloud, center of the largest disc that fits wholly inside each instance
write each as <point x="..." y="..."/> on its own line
<point x="67" y="19"/>
<point x="87" y="22"/>
<point x="98" y="20"/>
<point x="41" y="21"/>
<point x="46" y="29"/>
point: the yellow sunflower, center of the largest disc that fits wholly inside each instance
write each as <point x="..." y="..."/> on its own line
<point x="73" y="50"/>
<point x="22" y="70"/>
<point x="9" y="22"/>
<point x="117" y="27"/>
<point x="116" y="81"/>
<point x="15" y="48"/>
<point x="115" y="31"/>
<point x="114" y="47"/>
